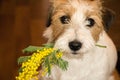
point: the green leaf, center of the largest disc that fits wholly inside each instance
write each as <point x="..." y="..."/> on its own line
<point x="53" y="60"/>
<point x="31" y="49"/>
<point x="23" y="59"/>
<point x="59" y="61"/>
<point x="48" y="45"/>
<point x="62" y="64"/>
<point x="47" y="65"/>
<point x="102" y="46"/>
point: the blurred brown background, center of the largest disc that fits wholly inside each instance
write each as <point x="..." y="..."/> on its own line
<point x="22" y="23"/>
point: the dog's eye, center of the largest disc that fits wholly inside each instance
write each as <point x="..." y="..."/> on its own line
<point x="64" y="19"/>
<point x="90" y="22"/>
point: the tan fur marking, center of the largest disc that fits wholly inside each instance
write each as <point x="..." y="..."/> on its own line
<point x="57" y="31"/>
<point x="57" y="27"/>
<point x="96" y="32"/>
<point x="98" y="27"/>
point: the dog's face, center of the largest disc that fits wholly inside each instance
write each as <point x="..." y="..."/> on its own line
<point x="75" y="25"/>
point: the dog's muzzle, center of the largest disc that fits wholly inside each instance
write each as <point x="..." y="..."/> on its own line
<point x="75" y="45"/>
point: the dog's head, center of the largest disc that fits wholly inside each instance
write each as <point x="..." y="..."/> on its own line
<point x="75" y="25"/>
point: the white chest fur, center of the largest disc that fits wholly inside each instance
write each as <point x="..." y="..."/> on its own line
<point x="90" y="67"/>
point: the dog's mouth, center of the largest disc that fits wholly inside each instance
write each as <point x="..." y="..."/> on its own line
<point x="75" y="53"/>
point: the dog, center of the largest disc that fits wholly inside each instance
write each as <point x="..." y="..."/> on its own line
<point x="77" y="27"/>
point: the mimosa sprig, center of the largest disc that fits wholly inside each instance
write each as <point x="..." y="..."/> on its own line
<point x="45" y="56"/>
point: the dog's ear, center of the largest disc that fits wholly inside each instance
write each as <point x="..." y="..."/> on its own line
<point x="49" y="16"/>
<point x="108" y="17"/>
<point x="53" y="4"/>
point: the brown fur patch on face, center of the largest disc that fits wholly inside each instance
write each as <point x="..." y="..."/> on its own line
<point x="98" y="27"/>
<point x="96" y="32"/>
<point x="57" y="31"/>
<point x="57" y="27"/>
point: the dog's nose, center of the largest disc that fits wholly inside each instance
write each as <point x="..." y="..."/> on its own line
<point x="75" y="45"/>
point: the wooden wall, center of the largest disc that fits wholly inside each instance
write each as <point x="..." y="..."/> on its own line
<point x="22" y="23"/>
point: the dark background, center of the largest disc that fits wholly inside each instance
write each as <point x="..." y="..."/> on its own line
<point x="22" y="23"/>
